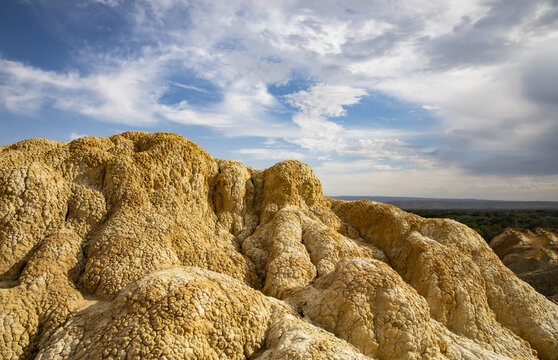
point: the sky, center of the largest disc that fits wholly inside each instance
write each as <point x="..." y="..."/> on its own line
<point x="422" y="98"/>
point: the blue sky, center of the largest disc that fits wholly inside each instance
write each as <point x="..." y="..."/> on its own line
<point x="418" y="98"/>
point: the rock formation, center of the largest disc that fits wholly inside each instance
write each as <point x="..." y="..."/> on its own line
<point x="532" y="256"/>
<point x="143" y="246"/>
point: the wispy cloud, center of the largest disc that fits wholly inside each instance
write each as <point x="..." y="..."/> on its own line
<point x="74" y="135"/>
<point x="271" y="154"/>
<point x="111" y="3"/>
<point x="366" y="166"/>
<point x="189" y="87"/>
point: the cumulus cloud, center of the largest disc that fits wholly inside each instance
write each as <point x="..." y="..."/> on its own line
<point x="326" y="100"/>
<point x="314" y="107"/>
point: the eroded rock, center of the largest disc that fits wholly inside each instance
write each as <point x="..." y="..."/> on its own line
<point x="532" y="256"/>
<point x="145" y="246"/>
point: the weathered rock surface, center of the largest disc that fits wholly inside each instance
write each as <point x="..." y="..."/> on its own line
<point x="145" y="246"/>
<point x="532" y="256"/>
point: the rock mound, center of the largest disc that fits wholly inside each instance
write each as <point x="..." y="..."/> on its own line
<point x="532" y="256"/>
<point x="145" y="246"/>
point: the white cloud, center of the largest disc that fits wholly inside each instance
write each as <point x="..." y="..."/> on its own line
<point x="189" y="87"/>
<point x="315" y="106"/>
<point x="326" y="100"/>
<point x="242" y="112"/>
<point x="118" y="95"/>
<point x="111" y="3"/>
<point x="129" y="93"/>
<point x="271" y="154"/>
<point x="74" y="135"/>
<point x="305" y="31"/>
<point x="334" y="167"/>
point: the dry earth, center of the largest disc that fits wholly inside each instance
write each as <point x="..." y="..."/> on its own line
<point x="143" y="246"/>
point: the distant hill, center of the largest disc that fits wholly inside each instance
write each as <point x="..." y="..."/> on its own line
<point x="412" y="203"/>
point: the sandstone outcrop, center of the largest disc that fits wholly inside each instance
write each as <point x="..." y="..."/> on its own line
<point x="532" y="256"/>
<point x="144" y="246"/>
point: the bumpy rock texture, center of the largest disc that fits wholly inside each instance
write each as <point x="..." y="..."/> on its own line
<point x="143" y="246"/>
<point x="532" y="256"/>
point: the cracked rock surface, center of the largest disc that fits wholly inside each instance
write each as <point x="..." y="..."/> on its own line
<point x="144" y="246"/>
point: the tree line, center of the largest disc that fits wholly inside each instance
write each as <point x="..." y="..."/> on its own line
<point x="490" y="223"/>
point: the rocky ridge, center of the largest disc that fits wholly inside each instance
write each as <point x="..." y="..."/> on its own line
<point x="532" y="256"/>
<point x="145" y="246"/>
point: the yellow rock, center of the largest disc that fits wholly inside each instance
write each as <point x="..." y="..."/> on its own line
<point x="145" y="246"/>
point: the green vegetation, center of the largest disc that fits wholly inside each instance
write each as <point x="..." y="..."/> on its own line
<point x="489" y="223"/>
